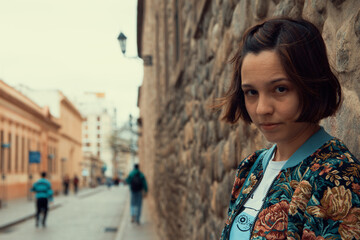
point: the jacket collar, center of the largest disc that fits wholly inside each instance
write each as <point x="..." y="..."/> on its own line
<point x="309" y="147"/>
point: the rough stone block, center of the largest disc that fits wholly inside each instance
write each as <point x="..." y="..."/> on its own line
<point x="261" y="8"/>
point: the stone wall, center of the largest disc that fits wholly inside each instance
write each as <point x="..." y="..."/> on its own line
<point x="189" y="154"/>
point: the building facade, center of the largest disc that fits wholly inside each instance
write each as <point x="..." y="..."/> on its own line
<point x="187" y="153"/>
<point x="98" y="126"/>
<point x="70" y="131"/>
<point x="70" y="144"/>
<point x="125" y="148"/>
<point x="91" y="170"/>
<point x="25" y="129"/>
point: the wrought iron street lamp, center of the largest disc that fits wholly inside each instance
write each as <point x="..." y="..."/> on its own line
<point x="122" y="40"/>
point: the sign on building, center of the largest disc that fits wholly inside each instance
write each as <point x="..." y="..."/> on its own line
<point x="5" y="145"/>
<point x="34" y="157"/>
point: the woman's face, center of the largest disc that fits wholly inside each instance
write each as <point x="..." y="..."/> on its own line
<point x="271" y="99"/>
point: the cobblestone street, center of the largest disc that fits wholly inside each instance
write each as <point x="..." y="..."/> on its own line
<point x="95" y="215"/>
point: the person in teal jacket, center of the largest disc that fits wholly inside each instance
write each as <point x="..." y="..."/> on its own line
<point x="307" y="185"/>
<point x="43" y="194"/>
<point x="138" y="187"/>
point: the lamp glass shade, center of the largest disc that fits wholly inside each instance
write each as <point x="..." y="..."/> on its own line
<point x="122" y="40"/>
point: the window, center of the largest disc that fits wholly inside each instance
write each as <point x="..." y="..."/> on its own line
<point x="1" y="151"/>
<point x="9" y="150"/>
<point x="49" y="159"/>
<point x="55" y="161"/>
<point x="38" y="149"/>
<point x="16" y="153"/>
<point x="22" y="154"/>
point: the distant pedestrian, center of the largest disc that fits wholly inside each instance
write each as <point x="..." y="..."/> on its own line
<point x="138" y="186"/>
<point x="66" y="182"/>
<point x="108" y="182"/>
<point x="116" y="181"/>
<point x="76" y="184"/>
<point x="44" y="193"/>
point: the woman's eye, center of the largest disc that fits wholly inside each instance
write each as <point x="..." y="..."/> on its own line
<point x="250" y="92"/>
<point x="281" y="89"/>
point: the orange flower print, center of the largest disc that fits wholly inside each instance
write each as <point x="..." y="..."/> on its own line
<point x="237" y="186"/>
<point x="356" y="188"/>
<point x="310" y="235"/>
<point x="335" y="204"/>
<point x="252" y="183"/>
<point x="326" y="169"/>
<point x="272" y="222"/>
<point x="349" y="228"/>
<point x="315" y="167"/>
<point x="300" y="197"/>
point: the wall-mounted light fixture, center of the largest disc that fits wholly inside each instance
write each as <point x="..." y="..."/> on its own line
<point x="122" y="41"/>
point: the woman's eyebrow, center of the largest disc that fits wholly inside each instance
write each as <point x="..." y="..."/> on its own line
<point x="274" y="81"/>
<point x="278" y="80"/>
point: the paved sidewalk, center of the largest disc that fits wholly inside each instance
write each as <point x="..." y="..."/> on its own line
<point x="19" y="210"/>
<point x="132" y="231"/>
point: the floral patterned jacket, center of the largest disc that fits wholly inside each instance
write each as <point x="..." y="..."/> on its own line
<point x="315" y="196"/>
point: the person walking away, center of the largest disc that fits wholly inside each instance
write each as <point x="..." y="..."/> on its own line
<point x="76" y="184"/>
<point x="66" y="182"/>
<point x="138" y="186"/>
<point x="44" y="193"/>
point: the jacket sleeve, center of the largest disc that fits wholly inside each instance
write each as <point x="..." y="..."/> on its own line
<point x="50" y="193"/>
<point x="333" y="211"/>
<point x="32" y="189"/>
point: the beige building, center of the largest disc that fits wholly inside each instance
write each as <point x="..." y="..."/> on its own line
<point x="124" y="145"/>
<point x="97" y="128"/>
<point x="25" y="127"/>
<point x="91" y="169"/>
<point x="70" y="120"/>
<point x="40" y="122"/>
<point x="70" y="144"/>
<point x="187" y="153"/>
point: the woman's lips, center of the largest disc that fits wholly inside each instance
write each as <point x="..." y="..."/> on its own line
<point x="269" y="126"/>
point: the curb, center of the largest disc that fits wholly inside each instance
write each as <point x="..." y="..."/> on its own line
<point x="52" y="207"/>
<point x="23" y="219"/>
<point x="124" y="219"/>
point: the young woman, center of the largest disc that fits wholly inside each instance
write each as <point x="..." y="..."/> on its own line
<point x="306" y="186"/>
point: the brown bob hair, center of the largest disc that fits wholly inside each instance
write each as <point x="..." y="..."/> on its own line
<point x="302" y="53"/>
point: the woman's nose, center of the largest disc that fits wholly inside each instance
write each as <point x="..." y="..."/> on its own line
<point x="264" y="106"/>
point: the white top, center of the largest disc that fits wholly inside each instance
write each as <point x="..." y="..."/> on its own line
<point x="244" y="221"/>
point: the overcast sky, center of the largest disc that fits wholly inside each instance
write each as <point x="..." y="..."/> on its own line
<point x="71" y="45"/>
